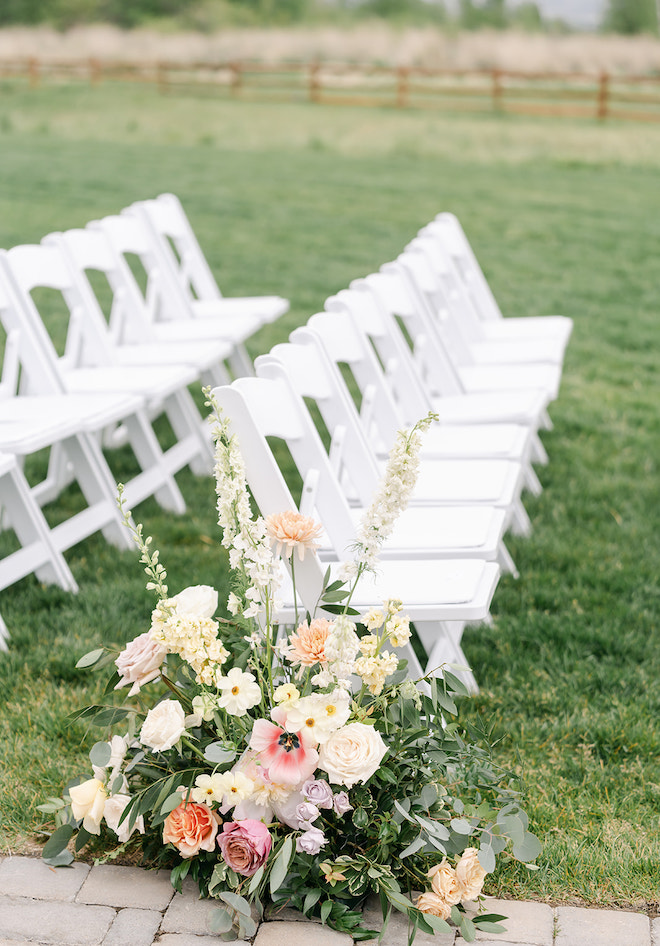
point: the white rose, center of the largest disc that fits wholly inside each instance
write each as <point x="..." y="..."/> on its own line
<point x="164" y="726"/>
<point x="352" y="754"/>
<point x="88" y="802"/>
<point x="200" y="600"/>
<point x="114" y="809"/>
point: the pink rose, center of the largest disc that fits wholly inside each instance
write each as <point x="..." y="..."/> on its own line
<point x="139" y="662"/>
<point x="191" y="828"/>
<point x="245" y="845"/>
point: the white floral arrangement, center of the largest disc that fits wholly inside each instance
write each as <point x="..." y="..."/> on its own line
<point x="297" y="767"/>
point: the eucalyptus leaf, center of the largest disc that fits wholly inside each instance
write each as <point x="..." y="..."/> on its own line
<point x="528" y="849"/>
<point x="311" y="900"/>
<point x="413" y="848"/>
<point x="171" y="802"/>
<point x="255" y="880"/>
<point x="57" y="841"/>
<point x="440" y="926"/>
<point x="63" y="859"/>
<point x="428" y="795"/>
<point x="326" y="909"/>
<point x="280" y="868"/>
<point x="220" y="920"/>
<point x="399" y="901"/>
<point x="100" y="754"/>
<point x="468" y="929"/>
<point x="91" y="658"/>
<point x="487" y="858"/>
<point x="461" y="826"/>
<point x="247" y="928"/>
<point x="217" y="753"/>
<point x="236" y="902"/>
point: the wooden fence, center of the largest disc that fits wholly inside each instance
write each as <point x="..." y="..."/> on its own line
<point x="572" y="95"/>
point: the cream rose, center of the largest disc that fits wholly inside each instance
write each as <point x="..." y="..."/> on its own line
<point x="352" y="754"/>
<point x="200" y="600"/>
<point x="164" y="726"/>
<point x="470" y="874"/>
<point x="88" y="802"/>
<point x="444" y="883"/>
<point x="114" y="809"/>
<point x="430" y="903"/>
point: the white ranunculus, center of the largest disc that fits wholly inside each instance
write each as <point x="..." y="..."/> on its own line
<point x="199" y="600"/>
<point x="88" y="802"/>
<point x="114" y="809"/>
<point x="352" y="754"/>
<point x="164" y="726"/>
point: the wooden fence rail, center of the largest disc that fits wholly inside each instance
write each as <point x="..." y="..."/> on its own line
<point x="573" y="95"/>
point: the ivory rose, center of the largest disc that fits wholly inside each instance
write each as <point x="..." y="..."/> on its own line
<point x="190" y="828"/>
<point x="114" y="809"/>
<point x="352" y="754"/>
<point x="245" y="845"/>
<point x="470" y="874"/>
<point x="139" y="662"/>
<point x="164" y="726"/>
<point x="444" y="883"/>
<point x="200" y="600"/>
<point x="88" y="802"/>
<point x="290" y="530"/>
<point x="430" y="903"/>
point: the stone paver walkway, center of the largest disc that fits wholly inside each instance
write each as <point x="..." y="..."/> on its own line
<point x="108" y="905"/>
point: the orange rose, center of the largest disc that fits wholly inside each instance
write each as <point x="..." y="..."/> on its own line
<point x="191" y="828"/>
<point x="290" y="530"/>
<point x="308" y="643"/>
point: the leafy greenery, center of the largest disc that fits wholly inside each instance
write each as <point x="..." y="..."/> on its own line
<point x="631" y="16"/>
<point x="299" y="200"/>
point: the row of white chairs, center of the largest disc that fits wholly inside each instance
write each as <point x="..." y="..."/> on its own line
<point x="413" y="337"/>
<point x="143" y="319"/>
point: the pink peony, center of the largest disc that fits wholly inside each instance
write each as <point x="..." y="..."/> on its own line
<point x="139" y="662"/>
<point x="290" y="530"/>
<point x="308" y="643"/>
<point x="289" y="757"/>
<point x="245" y="845"/>
<point x="190" y="828"/>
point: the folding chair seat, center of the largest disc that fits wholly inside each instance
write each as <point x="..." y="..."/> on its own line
<point x="472" y="376"/>
<point x="449" y="299"/>
<point x="434" y="592"/>
<point x="447" y="228"/>
<point x="37" y="414"/>
<point x="179" y="247"/>
<point x="88" y="367"/>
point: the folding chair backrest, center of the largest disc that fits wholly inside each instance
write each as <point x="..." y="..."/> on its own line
<point x="252" y="406"/>
<point x="448" y="229"/>
<point x="129" y="236"/>
<point x="312" y="375"/>
<point x="30" y="359"/>
<point x="45" y="266"/>
<point x="178" y="244"/>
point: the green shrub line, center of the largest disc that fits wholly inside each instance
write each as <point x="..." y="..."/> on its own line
<point x="564" y="217"/>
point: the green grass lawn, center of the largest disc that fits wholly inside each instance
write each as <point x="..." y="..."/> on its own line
<point x="299" y="200"/>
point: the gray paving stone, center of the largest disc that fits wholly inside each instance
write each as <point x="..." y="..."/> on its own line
<point x="54" y="923"/>
<point x="32" y="877"/>
<point x="127" y="887"/>
<point x="133" y="928"/>
<point x="288" y="933"/>
<point x="189" y="939"/>
<point x="187" y="913"/>
<point x="396" y="933"/>
<point x="577" y="927"/>
<point x="527" y="923"/>
<point x="655" y="931"/>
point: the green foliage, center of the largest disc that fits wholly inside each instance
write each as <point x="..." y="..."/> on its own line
<point x="631" y="16"/>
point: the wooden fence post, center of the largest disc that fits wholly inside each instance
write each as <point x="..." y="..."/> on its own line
<point x="314" y="83"/>
<point x="496" y="77"/>
<point x="94" y="71"/>
<point x="603" y="95"/>
<point x="34" y="72"/>
<point x="402" y="86"/>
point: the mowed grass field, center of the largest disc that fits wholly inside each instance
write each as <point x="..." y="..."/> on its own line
<point x="298" y="200"/>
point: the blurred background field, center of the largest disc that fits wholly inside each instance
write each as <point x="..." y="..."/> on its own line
<point x="298" y="200"/>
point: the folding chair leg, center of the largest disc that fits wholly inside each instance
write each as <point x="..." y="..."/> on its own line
<point x="152" y="461"/>
<point x="443" y="643"/>
<point x="531" y="481"/>
<point x="98" y="488"/>
<point x="240" y="362"/>
<point x="38" y="553"/>
<point x="57" y="479"/>
<point x="4" y="634"/>
<point x="505" y="561"/>
<point x="539" y="453"/>
<point x="520" y="522"/>
<point x="193" y="447"/>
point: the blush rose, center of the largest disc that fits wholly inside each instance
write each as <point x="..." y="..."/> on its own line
<point x="245" y="845"/>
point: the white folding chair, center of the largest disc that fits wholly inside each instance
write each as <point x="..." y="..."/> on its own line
<point x="435" y="593"/>
<point x="4" y="634"/>
<point x="89" y="366"/>
<point x="430" y="306"/>
<point x="423" y="531"/>
<point x="130" y="331"/>
<point x="447" y="229"/>
<point x="179" y="246"/>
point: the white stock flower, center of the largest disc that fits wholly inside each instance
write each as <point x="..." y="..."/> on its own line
<point x="342" y="647"/>
<point x="240" y="692"/>
<point x="164" y="726"/>
<point x="352" y="754"/>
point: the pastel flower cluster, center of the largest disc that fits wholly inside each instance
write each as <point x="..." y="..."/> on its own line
<point x="450" y="886"/>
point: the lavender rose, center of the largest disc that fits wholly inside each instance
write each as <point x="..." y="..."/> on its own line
<point x="306" y="813"/>
<point x="341" y="804"/>
<point x="245" y="845"/>
<point x="318" y="792"/>
<point x="310" y="842"/>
